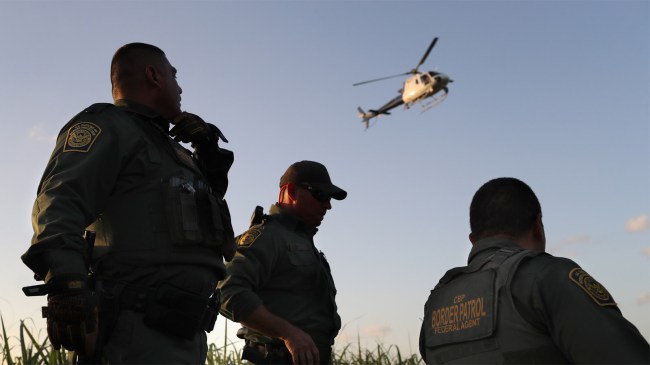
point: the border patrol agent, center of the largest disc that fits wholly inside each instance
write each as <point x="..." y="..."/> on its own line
<point x="156" y="211"/>
<point x="280" y="286"/>
<point x="515" y="304"/>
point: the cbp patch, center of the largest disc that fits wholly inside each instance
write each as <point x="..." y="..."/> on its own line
<point x="81" y="137"/>
<point x="594" y="289"/>
<point x="249" y="237"/>
<point x="462" y="310"/>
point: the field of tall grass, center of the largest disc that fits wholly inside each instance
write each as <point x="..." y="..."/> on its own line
<point x="33" y="348"/>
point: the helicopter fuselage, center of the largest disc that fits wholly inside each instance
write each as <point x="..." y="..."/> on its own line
<point x="423" y="85"/>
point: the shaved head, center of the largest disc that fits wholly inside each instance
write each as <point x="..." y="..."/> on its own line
<point x="503" y="206"/>
<point x="141" y="73"/>
<point x="128" y="65"/>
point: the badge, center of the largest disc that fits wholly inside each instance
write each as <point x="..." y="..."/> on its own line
<point x="81" y="137"/>
<point x="249" y="237"/>
<point x="594" y="289"/>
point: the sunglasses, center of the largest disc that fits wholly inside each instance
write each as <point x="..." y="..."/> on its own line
<point x="319" y="195"/>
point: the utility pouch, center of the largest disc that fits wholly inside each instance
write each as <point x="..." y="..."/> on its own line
<point x="278" y="354"/>
<point x="254" y="352"/>
<point x="175" y="311"/>
<point x="260" y="353"/>
<point x="182" y="212"/>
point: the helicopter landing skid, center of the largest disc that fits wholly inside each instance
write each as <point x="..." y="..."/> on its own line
<point x="434" y="102"/>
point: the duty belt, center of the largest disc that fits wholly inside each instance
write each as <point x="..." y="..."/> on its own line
<point x="165" y="308"/>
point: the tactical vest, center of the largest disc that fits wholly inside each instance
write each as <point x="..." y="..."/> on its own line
<point x="470" y="317"/>
<point x="163" y="212"/>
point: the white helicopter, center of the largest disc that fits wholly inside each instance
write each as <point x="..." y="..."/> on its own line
<point x="416" y="88"/>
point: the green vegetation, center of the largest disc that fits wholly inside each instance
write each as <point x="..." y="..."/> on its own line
<point x="28" y="349"/>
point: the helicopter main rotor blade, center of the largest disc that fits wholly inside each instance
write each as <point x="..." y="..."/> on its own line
<point x="424" y="58"/>
<point x="383" y="78"/>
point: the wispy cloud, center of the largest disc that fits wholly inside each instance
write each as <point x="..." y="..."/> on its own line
<point x="643" y="298"/>
<point x="39" y="134"/>
<point x="638" y="224"/>
<point x="565" y="244"/>
<point x="646" y="252"/>
<point x="376" y="331"/>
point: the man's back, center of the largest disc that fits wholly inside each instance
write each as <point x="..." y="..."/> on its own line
<point x="540" y="315"/>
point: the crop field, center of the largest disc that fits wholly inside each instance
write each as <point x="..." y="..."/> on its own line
<point x="30" y="348"/>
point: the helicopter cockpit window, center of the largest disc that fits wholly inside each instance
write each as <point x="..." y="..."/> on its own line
<point x="425" y="79"/>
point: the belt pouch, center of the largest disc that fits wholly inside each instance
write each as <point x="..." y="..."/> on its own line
<point x="175" y="311"/>
<point x="254" y="353"/>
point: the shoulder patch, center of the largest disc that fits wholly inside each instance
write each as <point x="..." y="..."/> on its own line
<point x="594" y="289"/>
<point x="81" y="137"/>
<point x="247" y="239"/>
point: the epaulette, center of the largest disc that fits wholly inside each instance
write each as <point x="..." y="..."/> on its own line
<point x="98" y="107"/>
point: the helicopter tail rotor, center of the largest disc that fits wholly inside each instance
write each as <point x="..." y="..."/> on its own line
<point x="366" y="116"/>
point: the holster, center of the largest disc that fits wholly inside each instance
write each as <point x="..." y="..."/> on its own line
<point x="172" y="310"/>
<point x="261" y="353"/>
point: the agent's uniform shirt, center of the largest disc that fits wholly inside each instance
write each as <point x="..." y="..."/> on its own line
<point x="548" y="311"/>
<point x="277" y="265"/>
<point x="112" y="170"/>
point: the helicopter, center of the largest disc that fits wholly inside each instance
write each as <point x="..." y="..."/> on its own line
<point x="416" y="88"/>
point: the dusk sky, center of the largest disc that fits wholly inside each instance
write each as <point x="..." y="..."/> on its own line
<point x="554" y="93"/>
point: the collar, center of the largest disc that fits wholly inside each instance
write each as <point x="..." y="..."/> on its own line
<point x="487" y="245"/>
<point x="289" y="220"/>
<point x="143" y="111"/>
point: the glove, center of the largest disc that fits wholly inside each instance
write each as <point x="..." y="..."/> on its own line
<point x="72" y="322"/>
<point x="189" y="127"/>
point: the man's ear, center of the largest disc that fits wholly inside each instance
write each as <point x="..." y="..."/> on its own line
<point x="152" y="75"/>
<point x="472" y="238"/>
<point x="291" y="191"/>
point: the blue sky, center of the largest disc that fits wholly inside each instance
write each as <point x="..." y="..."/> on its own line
<point x="554" y="93"/>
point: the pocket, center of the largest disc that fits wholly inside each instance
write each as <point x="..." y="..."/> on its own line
<point x="302" y="258"/>
<point x="182" y="213"/>
<point x="210" y="218"/>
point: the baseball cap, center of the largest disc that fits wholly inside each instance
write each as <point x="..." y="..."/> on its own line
<point x="313" y="174"/>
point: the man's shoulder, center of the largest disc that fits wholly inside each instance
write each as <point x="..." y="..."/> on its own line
<point x="544" y="267"/>
<point x="266" y="233"/>
<point x="98" y="113"/>
<point x="105" y="116"/>
<point x="546" y="263"/>
<point x="100" y="108"/>
<point x="560" y="274"/>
